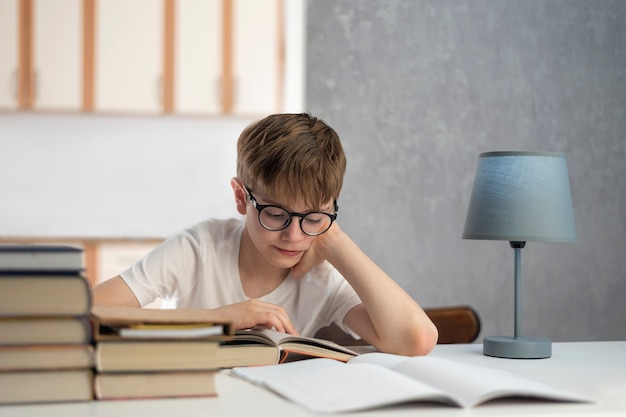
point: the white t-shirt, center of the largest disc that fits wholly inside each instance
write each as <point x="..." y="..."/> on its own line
<point x="198" y="268"/>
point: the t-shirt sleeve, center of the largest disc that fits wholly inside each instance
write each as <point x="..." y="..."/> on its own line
<point x="166" y="271"/>
<point x="342" y="299"/>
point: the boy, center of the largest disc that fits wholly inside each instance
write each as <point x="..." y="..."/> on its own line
<point x="287" y="264"/>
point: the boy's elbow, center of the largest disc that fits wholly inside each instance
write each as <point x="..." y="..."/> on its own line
<point x="423" y="340"/>
<point x="420" y="341"/>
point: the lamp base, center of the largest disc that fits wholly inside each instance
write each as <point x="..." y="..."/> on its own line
<point x="517" y="347"/>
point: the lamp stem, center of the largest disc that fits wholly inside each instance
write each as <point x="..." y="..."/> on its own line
<point x="517" y="347"/>
<point x="517" y="247"/>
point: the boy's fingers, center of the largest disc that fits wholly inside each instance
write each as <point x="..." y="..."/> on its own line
<point x="285" y="322"/>
<point x="275" y="322"/>
<point x="290" y="329"/>
<point x="276" y="317"/>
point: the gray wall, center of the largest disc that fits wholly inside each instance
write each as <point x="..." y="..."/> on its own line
<point x="417" y="89"/>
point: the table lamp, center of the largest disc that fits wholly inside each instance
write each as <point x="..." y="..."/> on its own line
<point x="520" y="197"/>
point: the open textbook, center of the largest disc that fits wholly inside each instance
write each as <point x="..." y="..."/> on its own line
<point x="263" y="346"/>
<point x="374" y="380"/>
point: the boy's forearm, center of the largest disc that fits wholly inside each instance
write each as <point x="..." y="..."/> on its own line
<point x="401" y="325"/>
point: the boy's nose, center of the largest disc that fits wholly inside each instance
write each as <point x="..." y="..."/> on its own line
<point x="293" y="232"/>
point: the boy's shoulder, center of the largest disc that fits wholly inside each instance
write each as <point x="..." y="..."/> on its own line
<point x="205" y="237"/>
<point x="214" y="230"/>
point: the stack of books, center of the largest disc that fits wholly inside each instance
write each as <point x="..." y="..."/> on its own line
<point x="46" y="351"/>
<point x="152" y="353"/>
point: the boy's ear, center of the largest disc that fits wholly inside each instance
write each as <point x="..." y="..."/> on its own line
<point x="240" y="195"/>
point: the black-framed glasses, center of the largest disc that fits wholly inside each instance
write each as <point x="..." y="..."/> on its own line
<point x="277" y="218"/>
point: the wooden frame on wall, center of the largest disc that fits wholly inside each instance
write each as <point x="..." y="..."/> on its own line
<point x="25" y="57"/>
<point x="25" y="71"/>
<point x="89" y="18"/>
<point x="169" y="19"/>
<point x="228" y="78"/>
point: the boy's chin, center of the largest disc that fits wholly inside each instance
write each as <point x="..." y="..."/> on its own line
<point x="286" y="263"/>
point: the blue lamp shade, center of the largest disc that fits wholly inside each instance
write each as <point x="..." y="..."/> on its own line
<point x="521" y="196"/>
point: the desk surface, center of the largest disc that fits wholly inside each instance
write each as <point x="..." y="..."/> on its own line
<point x="594" y="369"/>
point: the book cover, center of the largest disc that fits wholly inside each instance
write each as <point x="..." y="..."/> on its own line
<point x="46" y="386"/>
<point x="156" y="355"/>
<point x="147" y="385"/>
<point x="46" y="357"/>
<point x="37" y="257"/>
<point x="42" y="294"/>
<point x="48" y="330"/>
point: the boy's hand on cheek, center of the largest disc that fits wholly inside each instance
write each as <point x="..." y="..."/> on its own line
<point x="315" y="255"/>
<point x="308" y="261"/>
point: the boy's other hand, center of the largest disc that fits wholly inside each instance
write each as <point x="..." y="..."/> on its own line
<point x="253" y="312"/>
<point x="309" y="260"/>
<point x="317" y="252"/>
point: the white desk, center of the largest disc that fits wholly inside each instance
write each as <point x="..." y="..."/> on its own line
<point x="595" y="369"/>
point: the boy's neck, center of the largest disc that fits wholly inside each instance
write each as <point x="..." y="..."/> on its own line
<point x="258" y="277"/>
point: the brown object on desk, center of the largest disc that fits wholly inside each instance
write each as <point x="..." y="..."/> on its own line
<point x="458" y="324"/>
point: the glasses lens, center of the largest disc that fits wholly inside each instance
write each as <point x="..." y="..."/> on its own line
<point x="315" y="223"/>
<point x="274" y="218"/>
<point x="277" y="218"/>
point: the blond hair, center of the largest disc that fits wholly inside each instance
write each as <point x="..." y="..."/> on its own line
<point x="292" y="156"/>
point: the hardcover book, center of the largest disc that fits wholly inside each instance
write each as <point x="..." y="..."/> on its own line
<point x="44" y="294"/>
<point x="48" y="330"/>
<point x="145" y="385"/>
<point x="47" y="258"/>
<point x="46" y="357"/>
<point x="156" y="355"/>
<point x="127" y="323"/>
<point x="46" y="386"/>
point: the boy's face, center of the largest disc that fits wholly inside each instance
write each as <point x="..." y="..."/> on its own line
<point x="281" y="248"/>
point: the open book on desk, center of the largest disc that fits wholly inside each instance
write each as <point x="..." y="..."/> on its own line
<point x="263" y="346"/>
<point x="374" y="380"/>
